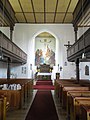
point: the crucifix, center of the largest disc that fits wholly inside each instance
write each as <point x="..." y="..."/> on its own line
<point x="68" y="45"/>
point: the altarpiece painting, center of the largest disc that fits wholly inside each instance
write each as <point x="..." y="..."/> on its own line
<point x="45" y="51"/>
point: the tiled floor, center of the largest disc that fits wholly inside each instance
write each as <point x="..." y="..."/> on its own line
<point x="20" y="114"/>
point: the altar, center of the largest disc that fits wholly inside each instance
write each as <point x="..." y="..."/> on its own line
<point x="44" y="76"/>
<point x="44" y="72"/>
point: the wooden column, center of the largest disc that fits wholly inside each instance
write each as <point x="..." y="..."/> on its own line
<point x="8" y="68"/>
<point x="75" y="29"/>
<point x="77" y="70"/>
<point x="11" y="32"/>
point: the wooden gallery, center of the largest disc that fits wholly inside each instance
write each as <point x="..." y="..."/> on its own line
<point x="44" y="59"/>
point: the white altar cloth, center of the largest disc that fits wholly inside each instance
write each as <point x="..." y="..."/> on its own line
<point x="44" y="74"/>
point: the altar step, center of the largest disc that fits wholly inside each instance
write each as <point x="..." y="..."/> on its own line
<point x="41" y="82"/>
<point x="44" y="85"/>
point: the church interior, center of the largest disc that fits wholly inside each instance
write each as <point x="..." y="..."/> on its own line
<point x="44" y="59"/>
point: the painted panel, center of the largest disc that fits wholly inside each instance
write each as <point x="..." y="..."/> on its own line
<point x="45" y="51"/>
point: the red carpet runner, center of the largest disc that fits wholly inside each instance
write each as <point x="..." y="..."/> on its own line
<point x="44" y="85"/>
<point x="43" y="107"/>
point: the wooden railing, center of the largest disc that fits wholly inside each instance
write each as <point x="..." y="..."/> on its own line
<point x="80" y="10"/>
<point x="8" y="11"/>
<point x="79" y="47"/>
<point x="8" y="48"/>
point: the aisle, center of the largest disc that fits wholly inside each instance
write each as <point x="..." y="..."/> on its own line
<point x="43" y="107"/>
<point x="47" y="114"/>
<point x="44" y="85"/>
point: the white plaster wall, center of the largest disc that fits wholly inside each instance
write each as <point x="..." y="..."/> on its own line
<point x="6" y="31"/>
<point x="3" y="69"/>
<point x="81" y="31"/>
<point x="16" y="71"/>
<point x="24" y="37"/>
<point x="82" y="70"/>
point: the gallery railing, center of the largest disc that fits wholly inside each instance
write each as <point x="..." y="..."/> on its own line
<point x="10" y="49"/>
<point x="79" y="47"/>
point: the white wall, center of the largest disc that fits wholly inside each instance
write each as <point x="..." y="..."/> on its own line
<point x="3" y="69"/>
<point x="82" y="70"/>
<point x="6" y="31"/>
<point x="24" y="36"/>
<point x="81" y="31"/>
<point x="16" y="70"/>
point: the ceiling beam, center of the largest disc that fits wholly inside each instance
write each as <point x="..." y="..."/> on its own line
<point x="44" y="12"/>
<point x="55" y="11"/>
<point x="22" y="11"/>
<point x="66" y="11"/>
<point x="33" y="11"/>
<point x="16" y="19"/>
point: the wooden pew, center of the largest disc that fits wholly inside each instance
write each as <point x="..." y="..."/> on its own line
<point x="59" y="83"/>
<point x="3" y="105"/>
<point x="85" y="112"/>
<point x="26" y="85"/>
<point x="80" y="101"/>
<point x="70" y="100"/>
<point x="13" y="97"/>
<point x="65" y="85"/>
<point x="73" y="88"/>
<point x="62" y="82"/>
<point x="14" y="92"/>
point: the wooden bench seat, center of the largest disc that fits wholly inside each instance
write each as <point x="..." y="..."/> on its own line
<point x="26" y="86"/>
<point x="65" y="85"/>
<point x="62" y="88"/>
<point x="59" y="83"/>
<point x="85" y="112"/>
<point x="70" y="99"/>
<point x="80" y="101"/>
<point x="72" y="88"/>
<point x="13" y="98"/>
<point x="3" y="107"/>
<point x="62" y="82"/>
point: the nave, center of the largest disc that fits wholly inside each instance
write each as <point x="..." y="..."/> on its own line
<point x="66" y="100"/>
<point x="40" y="41"/>
<point x="22" y="113"/>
